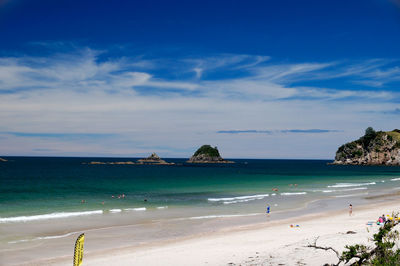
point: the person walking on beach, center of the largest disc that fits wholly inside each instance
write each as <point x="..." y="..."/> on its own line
<point x="268" y="210"/>
<point x="350" y="210"/>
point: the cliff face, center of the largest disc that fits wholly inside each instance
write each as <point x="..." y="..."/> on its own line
<point x="375" y="148"/>
<point x="207" y="154"/>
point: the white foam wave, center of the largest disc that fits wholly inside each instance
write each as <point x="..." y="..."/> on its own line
<point x="395" y="179"/>
<point x="350" y="195"/>
<point x="162" y="207"/>
<point x="293" y="193"/>
<point x="356" y="188"/>
<point x="343" y="190"/>
<point x="239" y="201"/>
<point x="339" y="185"/>
<point x="41" y="238"/>
<point x="18" y="241"/>
<point x="261" y="196"/>
<point x="273" y="194"/>
<point x="219" y="216"/>
<point x="55" y="215"/>
<point x="135" y="209"/>
<point x="115" y="210"/>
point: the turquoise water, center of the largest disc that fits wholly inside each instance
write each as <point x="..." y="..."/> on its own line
<point x="35" y="186"/>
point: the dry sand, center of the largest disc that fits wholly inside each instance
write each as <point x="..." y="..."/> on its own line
<point x="270" y="243"/>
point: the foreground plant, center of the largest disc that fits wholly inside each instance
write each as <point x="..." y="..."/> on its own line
<point x="385" y="251"/>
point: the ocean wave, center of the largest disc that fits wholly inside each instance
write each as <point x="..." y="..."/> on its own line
<point x="352" y="189"/>
<point x="239" y="201"/>
<point x="293" y="193"/>
<point x="339" y="185"/>
<point x="42" y="238"/>
<point x="20" y="241"/>
<point x="219" y="216"/>
<point x="55" y="215"/>
<point x="162" y="207"/>
<point x="115" y="210"/>
<point x="350" y="195"/>
<point x="343" y="190"/>
<point x="260" y="196"/>
<point x="135" y="209"/>
<point x="395" y="179"/>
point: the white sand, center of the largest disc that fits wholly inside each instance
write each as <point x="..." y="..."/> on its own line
<point x="270" y="243"/>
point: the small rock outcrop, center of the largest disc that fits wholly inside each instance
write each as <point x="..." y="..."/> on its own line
<point x="3" y="160"/>
<point x="153" y="159"/>
<point x="207" y="154"/>
<point x="374" y="148"/>
<point x="95" y="162"/>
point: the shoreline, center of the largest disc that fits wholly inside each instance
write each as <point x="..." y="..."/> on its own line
<point x="208" y="241"/>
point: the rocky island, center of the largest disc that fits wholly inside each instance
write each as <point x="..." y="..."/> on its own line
<point x="374" y="148"/>
<point x="153" y="159"/>
<point x="3" y="160"/>
<point x="207" y="154"/>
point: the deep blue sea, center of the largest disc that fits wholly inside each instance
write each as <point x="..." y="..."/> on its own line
<point x="36" y="186"/>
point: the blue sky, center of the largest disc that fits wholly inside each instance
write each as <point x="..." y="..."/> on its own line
<point x="258" y="79"/>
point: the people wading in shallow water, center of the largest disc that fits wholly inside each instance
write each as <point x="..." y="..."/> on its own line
<point x="350" y="210"/>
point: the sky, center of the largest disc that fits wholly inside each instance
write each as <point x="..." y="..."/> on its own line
<point x="258" y="79"/>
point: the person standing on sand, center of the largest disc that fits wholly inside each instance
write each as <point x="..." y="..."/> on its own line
<point x="350" y="210"/>
<point x="268" y="210"/>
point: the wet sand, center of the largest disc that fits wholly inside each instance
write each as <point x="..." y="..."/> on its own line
<point x="254" y="239"/>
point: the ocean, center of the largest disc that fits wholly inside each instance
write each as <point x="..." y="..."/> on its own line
<point x="33" y="187"/>
<point x="46" y="202"/>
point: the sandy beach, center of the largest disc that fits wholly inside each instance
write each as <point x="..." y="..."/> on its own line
<point x="268" y="243"/>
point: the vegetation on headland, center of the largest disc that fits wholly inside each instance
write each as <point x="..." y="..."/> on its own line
<point x="207" y="154"/>
<point x="375" y="148"/>
<point x="384" y="252"/>
<point x="208" y="150"/>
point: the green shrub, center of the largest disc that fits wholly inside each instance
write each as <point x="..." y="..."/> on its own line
<point x="207" y="150"/>
<point x="384" y="253"/>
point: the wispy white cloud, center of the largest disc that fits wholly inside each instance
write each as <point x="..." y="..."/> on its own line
<point x="141" y="103"/>
<point x="295" y="131"/>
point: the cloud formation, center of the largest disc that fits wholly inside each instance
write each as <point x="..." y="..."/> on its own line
<point x="128" y="106"/>
<point x="252" y="131"/>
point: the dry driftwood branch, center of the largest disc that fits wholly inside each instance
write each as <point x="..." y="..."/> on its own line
<point x="314" y="245"/>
